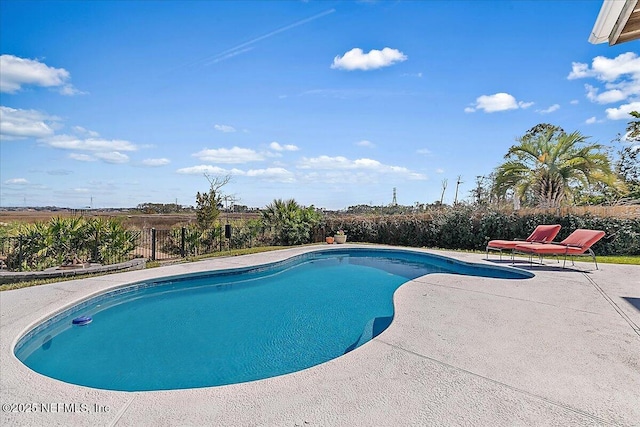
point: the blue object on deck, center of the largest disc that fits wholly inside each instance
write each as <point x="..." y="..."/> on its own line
<point x="82" y="320"/>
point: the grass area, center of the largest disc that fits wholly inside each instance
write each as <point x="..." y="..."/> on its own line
<point x="238" y="252"/>
<point x="605" y="259"/>
<point x="29" y="283"/>
<point x="229" y="253"/>
<point x="602" y="259"/>
<point x="614" y="259"/>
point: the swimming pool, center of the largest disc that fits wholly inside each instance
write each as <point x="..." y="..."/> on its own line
<point x="232" y="326"/>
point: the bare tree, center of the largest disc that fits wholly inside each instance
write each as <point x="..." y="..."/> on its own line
<point x="444" y="188"/>
<point x="208" y="204"/>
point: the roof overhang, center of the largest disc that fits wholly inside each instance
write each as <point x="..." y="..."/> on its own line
<point x="618" y="22"/>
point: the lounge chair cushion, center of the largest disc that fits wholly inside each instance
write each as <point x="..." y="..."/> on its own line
<point x="578" y="242"/>
<point x="542" y="234"/>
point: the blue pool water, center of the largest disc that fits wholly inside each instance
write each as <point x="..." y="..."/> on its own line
<point x="232" y="326"/>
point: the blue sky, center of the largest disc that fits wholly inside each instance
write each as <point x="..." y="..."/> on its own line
<point x="331" y="103"/>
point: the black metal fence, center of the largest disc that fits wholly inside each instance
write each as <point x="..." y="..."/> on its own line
<point x="158" y="245"/>
<point x="18" y="253"/>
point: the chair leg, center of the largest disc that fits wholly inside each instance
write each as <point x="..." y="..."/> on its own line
<point x="593" y="255"/>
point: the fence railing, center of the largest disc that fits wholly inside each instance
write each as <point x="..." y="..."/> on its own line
<point x="17" y="253"/>
<point x="158" y="245"/>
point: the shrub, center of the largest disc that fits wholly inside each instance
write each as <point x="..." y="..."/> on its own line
<point x="467" y="227"/>
<point x="64" y="240"/>
<point x="290" y="223"/>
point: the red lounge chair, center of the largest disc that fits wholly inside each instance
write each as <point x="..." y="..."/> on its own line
<point x="542" y="234"/>
<point x="578" y="243"/>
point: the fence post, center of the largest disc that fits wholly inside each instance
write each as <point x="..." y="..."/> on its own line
<point x="153" y="244"/>
<point x="182" y="239"/>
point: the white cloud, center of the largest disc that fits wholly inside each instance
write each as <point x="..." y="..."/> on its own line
<point x="423" y="151"/>
<point x="201" y="169"/>
<point x="611" y="96"/>
<point x="322" y="169"/>
<point x="606" y="97"/>
<point x="359" y="165"/>
<point x="229" y="155"/>
<point x="620" y="75"/>
<point x="272" y="174"/>
<point x="623" y="111"/>
<point x="59" y="172"/>
<point x="79" y="130"/>
<point x="156" y="162"/>
<point x="268" y="174"/>
<point x="365" y="143"/>
<point x="324" y="162"/>
<point x="356" y="59"/>
<point x="278" y="147"/>
<point x="578" y="71"/>
<point x="497" y="102"/>
<point x="17" y="72"/>
<point x="17" y="181"/>
<point x="70" y="142"/>
<point x="590" y="120"/>
<point x="82" y="157"/>
<point x="574" y="102"/>
<point x="113" y="157"/>
<point x="439" y="171"/>
<point x="551" y="109"/>
<point x="69" y="90"/>
<point x="21" y="124"/>
<point x="225" y="128"/>
<point x="606" y="69"/>
<point x="366" y="163"/>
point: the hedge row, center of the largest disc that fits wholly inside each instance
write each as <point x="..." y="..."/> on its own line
<point x="465" y="227"/>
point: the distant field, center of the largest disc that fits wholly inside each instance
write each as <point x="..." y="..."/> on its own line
<point x="140" y="221"/>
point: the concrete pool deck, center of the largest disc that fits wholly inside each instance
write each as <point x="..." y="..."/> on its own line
<point x="562" y="348"/>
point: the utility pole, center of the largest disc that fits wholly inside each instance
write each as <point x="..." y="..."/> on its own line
<point x="455" y="199"/>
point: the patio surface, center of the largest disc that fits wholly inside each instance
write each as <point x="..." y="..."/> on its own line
<point x="562" y="348"/>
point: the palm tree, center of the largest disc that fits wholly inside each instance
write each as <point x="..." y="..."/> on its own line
<point x="628" y="163"/>
<point x="547" y="165"/>
<point x="291" y="223"/>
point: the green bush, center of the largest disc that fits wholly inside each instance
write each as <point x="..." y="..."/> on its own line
<point x="66" y="240"/>
<point x="290" y="223"/>
<point x="467" y="227"/>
